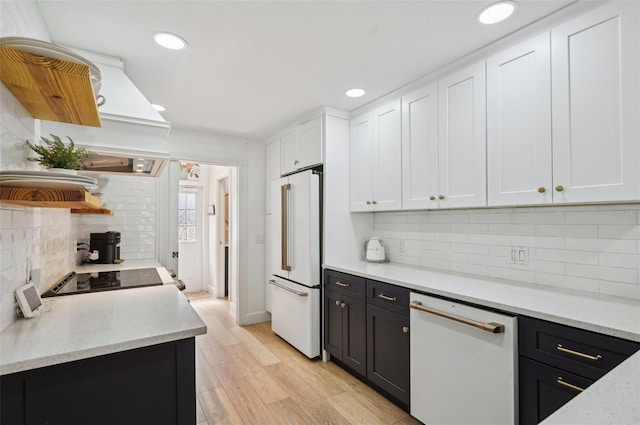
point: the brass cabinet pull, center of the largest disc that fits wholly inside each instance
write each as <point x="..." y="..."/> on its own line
<point x="568" y="385"/>
<point x="343" y="305"/>
<point x="405" y="329"/>
<point x="495" y="328"/>
<point x="432" y="198"/>
<point x="441" y="197"/>
<point x="338" y="303"/>
<point x="368" y="202"/>
<point x="386" y="297"/>
<point x="374" y="202"/>
<point x="344" y="285"/>
<point x="296" y="162"/>
<point x="559" y="188"/>
<point x="541" y="190"/>
<point x="577" y="353"/>
<point x="284" y="204"/>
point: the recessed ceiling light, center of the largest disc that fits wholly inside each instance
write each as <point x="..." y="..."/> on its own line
<point x="497" y="12"/>
<point x="158" y="108"/>
<point x="355" y="92"/>
<point x="170" y="41"/>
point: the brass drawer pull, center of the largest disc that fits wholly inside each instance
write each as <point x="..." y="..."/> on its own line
<point x="405" y="329"/>
<point x="576" y="353"/>
<point x="344" y="285"/>
<point x="386" y="297"/>
<point x="494" y="328"/>
<point x="568" y="385"/>
<point x="343" y="305"/>
<point x="338" y="303"/>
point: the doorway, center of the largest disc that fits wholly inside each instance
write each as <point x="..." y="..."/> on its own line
<point x="204" y="216"/>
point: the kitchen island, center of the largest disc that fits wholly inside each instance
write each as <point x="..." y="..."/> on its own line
<point x="610" y="400"/>
<point x="125" y="348"/>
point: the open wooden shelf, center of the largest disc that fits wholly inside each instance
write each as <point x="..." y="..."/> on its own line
<point x="102" y="211"/>
<point x="49" y="198"/>
<point x="50" y="89"/>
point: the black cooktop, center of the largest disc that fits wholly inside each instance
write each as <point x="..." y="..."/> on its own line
<point x="84" y="283"/>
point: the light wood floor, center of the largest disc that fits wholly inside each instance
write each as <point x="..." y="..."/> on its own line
<point x="249" y="375"/>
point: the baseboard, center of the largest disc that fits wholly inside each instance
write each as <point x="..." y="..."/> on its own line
<point x="257" y="317"/>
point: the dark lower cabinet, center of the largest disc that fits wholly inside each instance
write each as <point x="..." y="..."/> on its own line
<point x="544" y="389"/>
<point x="557" y="362"/>
<point x="150" y="385"/>
<point x="388" y="352"/>
<point x="345" y="330"/>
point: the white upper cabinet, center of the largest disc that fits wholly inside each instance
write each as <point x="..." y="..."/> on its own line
<point x="387" y="145"/>
<point x="302" y="147"/>
<point x="272" y="169"/>
<point x="596" y="105"/>
<point x="360" y="163"/>
<point x="420" y="148"/>
<point x="375" y="159"/>
<point x="519" y="124"/>
<point x="462" y="138"/>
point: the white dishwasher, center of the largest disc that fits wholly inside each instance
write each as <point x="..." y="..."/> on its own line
<point x="463" y="363"/>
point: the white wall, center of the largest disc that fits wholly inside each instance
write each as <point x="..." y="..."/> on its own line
<point x="589" y="248"/>
<point x="40" y="235"/>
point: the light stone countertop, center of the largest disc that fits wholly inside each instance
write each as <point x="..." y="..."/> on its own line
<point x="612" y="400"/>
<point x="80" y="326"/>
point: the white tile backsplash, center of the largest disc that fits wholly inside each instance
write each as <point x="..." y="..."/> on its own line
<point x="594" y="248"/>
<point x="133" y="202"/>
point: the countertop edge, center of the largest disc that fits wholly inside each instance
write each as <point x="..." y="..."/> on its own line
<point x="56" y="359"/>
<point x="538" y="314"/>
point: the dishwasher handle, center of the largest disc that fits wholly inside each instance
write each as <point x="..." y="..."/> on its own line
<point x="495" y="328"/>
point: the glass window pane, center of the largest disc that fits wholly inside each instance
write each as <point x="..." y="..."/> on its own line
<point x="191" y="233"/>
<point x="191" y="217"/>
<point x="182" y="202"/>
<point x="182" y="234"/>
<point x="182" y="217"/>
<point x="191" y="201"/>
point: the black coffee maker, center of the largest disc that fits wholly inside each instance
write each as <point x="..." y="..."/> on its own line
<point x="108" y="247"/>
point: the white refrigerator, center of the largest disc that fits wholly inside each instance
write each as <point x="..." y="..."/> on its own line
<point x="295" y="261"/>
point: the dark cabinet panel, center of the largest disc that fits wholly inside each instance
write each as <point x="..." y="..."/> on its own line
<point x="346" y="284"/>
<point x="388" y="351"/>
<point x="585" y="353"/>
<point x="151" y="385"/>
<point x="544" y="389"/>
<point x="333" y="334"/>
<point x="355" y="335"/>
<point x="556" y="361"/>
<point x="345" y="330"/>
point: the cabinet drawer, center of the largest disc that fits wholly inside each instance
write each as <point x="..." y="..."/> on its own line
<point x="389" y="297"/>
<point x="585" y="353"/>
<point x="544" y="389"/>
<point x="344" y="283"/>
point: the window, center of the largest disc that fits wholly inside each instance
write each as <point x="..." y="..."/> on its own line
<point x="186" y="217"/>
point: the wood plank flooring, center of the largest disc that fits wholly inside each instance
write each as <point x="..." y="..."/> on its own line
<point x="249" y="375"/>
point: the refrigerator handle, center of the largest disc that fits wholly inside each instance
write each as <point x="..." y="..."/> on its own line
<point x="284" y="202"/>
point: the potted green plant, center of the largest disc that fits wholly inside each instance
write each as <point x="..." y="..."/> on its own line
<point x="55" y="154"/>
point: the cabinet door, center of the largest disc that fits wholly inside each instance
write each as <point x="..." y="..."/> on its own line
<point x="420" y="148"/>
<point x="388" y="351"/>
<point x="289" y="152"/>
<point x="354" y="335"/>
<point x="333" y="329"/>
<point x="596" y="105"/>
<point x="462" y="141"/>
<point x="360" y="163"/>
<point x="519" y="124"/>
<point x="272" y="169"/>
<point x="387" y="145"/>
<point x="544" y="389"/>
<point x="310" y="143"/>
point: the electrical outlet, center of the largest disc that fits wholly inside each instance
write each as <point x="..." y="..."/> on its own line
<point x="519" y="255"/>
<point x="401" y="247"/>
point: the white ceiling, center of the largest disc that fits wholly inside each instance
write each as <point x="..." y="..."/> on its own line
<point x="254" y="67"/>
